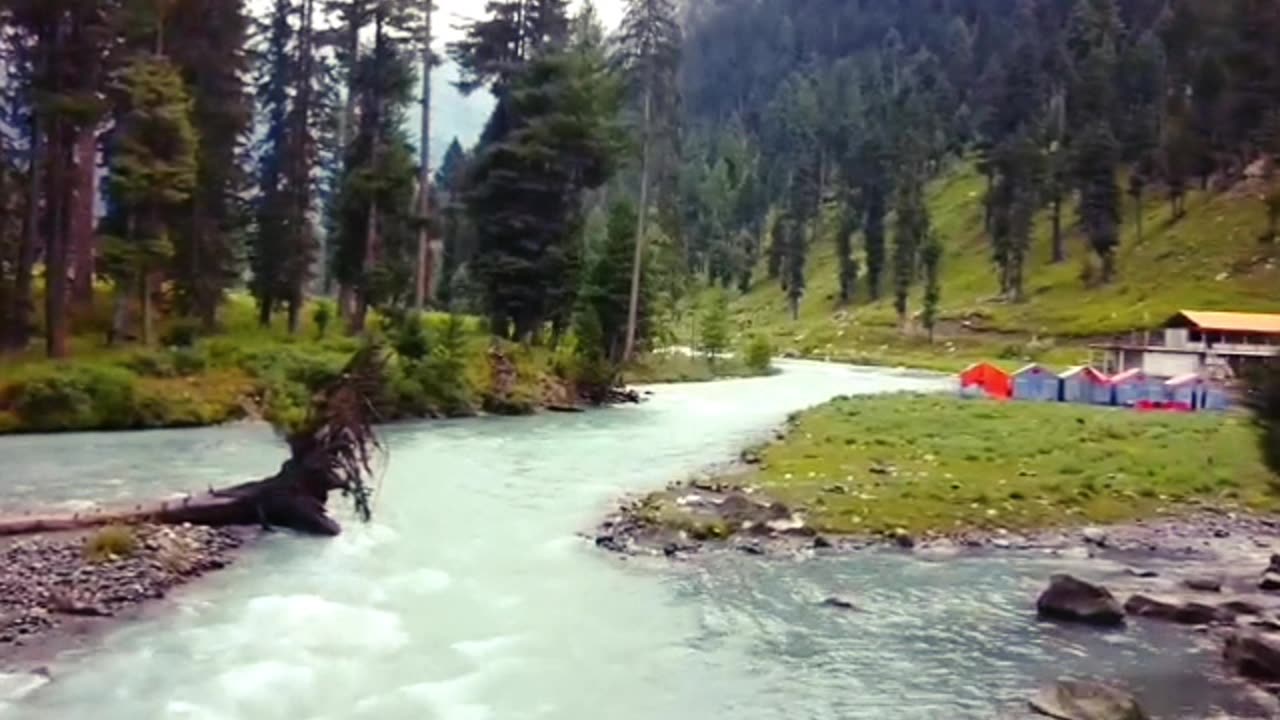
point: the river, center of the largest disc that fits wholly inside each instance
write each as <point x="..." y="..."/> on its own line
<point x="472" y="596"/>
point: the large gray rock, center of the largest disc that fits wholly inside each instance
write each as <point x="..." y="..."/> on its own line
<point x="1083" y="700"/>
<point x="1254" y="656"/>
<point x="1073" y="600"/>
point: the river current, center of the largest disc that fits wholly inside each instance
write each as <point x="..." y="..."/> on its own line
<point x="472" y="595"/>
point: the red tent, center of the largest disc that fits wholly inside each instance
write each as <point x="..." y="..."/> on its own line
<point x="988" y="379"/>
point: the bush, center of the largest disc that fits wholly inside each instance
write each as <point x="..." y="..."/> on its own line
<point x="715" y="324"/>
<point x="321" y="316"/>
<point x="183" y="333"/>
<point x="110" y="543"/>
<point x="76" y="398"/>
<point x="1263" y="399"/>
<point x="150" y="364"/>
<point x="188" y="362"/>
<point x="409" y="338"/>
<point x="758" y="354"/>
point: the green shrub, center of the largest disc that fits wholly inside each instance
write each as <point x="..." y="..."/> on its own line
<point x="183" y="333"/>
<point x="110" y="543"/>
<point x="76" y="398"/>
<point x="321" y="316"/>
<point x="188" y="362"/>
<point x="758" y="354"/>
<point x="149" y="363"/>
<point x="409" y="338"/>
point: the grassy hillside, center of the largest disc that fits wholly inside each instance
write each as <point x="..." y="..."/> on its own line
<point x="1211" y="259"/>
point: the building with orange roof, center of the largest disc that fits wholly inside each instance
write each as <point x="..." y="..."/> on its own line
<point x="1212" y="344"/>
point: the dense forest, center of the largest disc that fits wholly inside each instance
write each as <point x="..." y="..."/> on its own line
<point x="176" y="151"/>
<point x="822" y="119"/>
<point x="173" y="152"/>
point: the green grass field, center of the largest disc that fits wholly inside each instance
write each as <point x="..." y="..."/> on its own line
<point x="939" y="464"/>
<point x="679" y="368"/>
<point x="1211" y="259"/>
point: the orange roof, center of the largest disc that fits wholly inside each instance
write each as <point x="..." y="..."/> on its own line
<point x="1265" y="323"/>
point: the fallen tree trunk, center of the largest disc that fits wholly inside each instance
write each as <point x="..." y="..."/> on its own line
<point x="332" y="451"/>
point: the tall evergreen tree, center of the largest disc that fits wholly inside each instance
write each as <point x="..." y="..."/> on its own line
<point x="931" y="264"/>
<point x="208" y="44"/>
<point x="526" y="209"/>
<point x="153" y="172"/>
<point x="911" y="231"/>
<point x="649" y="53"/>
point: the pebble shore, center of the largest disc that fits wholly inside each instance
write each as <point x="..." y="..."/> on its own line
<point x="50" y="583"/>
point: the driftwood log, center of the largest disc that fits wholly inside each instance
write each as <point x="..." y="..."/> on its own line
<point x="333" y="451"/>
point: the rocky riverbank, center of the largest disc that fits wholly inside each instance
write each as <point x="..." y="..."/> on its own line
<point x="59" y="591"/>
<point x="1214" y="571"/>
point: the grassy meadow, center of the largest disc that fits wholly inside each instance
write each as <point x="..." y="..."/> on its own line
<point x="938" y="464"/>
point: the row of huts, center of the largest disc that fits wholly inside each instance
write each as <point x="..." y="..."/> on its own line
<point x="1086" y="385"/>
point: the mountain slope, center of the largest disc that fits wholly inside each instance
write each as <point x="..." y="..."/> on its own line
<point x="1212" y="258"/>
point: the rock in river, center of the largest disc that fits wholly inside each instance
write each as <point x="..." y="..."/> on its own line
<point x="1204" y="584"/>
<point x="1074" y="600"/>
<point x="840" y="602"/>
<point x="1253" y="655"/>
<point x="1083" y="700"/>
<point x="1185" y="614"/>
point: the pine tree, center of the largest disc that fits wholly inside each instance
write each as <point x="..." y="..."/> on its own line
<point x="512" y="33"/>
<point x="649" y="53"/>
<point x="931" y="263"/>
<point x="715" y="324"/>
<point x="65" y="84"/>
<point x="376" y="232"/>
<point x="425" y="270"/>
<point x="208" y="44"/>
<point x="850" y="222"/>
<point x="526" y="210"/>
<point x="1099" y="194"/>
<point x="153" y="171"/>
<point x="911" y="231"/>
<point x="272" y="214"/>
<point x="606" y="282"/>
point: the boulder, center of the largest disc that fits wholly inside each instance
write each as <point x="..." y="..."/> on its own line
<point x="1073" y="600"/>
<point x="820" y="542"/>
<point x="1083" y="700"/>
<point x="1241" y="607"/>
<point x="840" y="602"/>
<point x="1254" y="656"/>
<point x="1185" y="614"/>
<point x="1094" y="536"/>
<point x="1270" y="581"/>
<point x="1204" y="584"/>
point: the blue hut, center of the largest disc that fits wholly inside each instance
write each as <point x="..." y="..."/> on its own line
<point x="1086" y="386"/>
<point x="1036" y="383"/>
<point x="1214" y="396"/>
<point x="1184" y="392"/>
<point x="1135" y="388"/>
